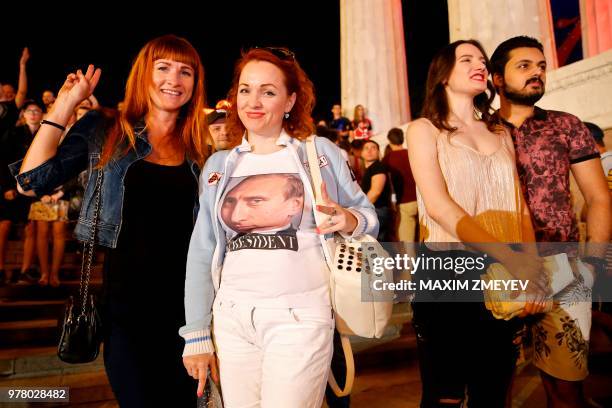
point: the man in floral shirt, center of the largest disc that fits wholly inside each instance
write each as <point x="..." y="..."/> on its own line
<point x="550" y="144"/>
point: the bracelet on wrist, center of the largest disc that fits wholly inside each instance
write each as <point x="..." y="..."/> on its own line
<point x="55" y="125"/>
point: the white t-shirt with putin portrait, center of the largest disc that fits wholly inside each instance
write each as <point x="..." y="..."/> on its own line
<point x="273" y="253"/>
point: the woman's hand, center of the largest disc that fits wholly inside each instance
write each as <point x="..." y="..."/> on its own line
<point x="339" y="218"/>
<point x="55" y="197"/>
<point x="46" y="199"/>
<point x="528" y="267"/>
<point x="79" y="86"/>
<point x="197" y="367"/>
<point x="537" y="300"/>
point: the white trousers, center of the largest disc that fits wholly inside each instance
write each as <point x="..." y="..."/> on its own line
<point x="272" y="357"/>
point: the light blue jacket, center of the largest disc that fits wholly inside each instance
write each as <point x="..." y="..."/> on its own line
<point x="207" y="247"/>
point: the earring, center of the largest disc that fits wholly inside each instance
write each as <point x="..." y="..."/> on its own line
<point x="286" y="115"/>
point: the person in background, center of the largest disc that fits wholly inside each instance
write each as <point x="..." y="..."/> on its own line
<point x="60" y="199"/>
<point x="218" y="132"/>
<point x="602" y="311"/>
<point x="14" y="208"/>
<point x="9" y="114"/>
<point x="345" y="145"/>
<point x="606" y="161"/>
<point x="376" y="184"/>
<point x="80" y="111"/>
<point x="606" y="155"/>
<point x="9" y="92"/>
<point x="48" y="97"/>
<point x="355" y="160"/>
<point x="8" y="117"/>
<point x="9" y="111"/>
<point x="85" y="106"/>
<point x="19" y="97"/>
<point x="332" y="136"/>
<point x="361" y="125"/>
<point x="403" y="181"/>
<point x="339" y="123"/>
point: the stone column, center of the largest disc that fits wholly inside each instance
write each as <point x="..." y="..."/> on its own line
<point x="596" y="23"/>
<point x="583" y="89"/>
<point x="373" y="62"/>
<point x="493" y="21"/>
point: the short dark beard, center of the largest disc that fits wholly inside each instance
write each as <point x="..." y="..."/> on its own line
<point x="520" y="98"/>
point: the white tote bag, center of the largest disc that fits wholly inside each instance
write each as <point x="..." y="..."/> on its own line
<point x="359" y="309"/>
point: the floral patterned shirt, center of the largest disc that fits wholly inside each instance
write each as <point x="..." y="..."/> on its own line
<point x="546" y="145"/>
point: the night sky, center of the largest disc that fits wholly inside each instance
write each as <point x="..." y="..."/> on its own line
<point x="63" y="40"/>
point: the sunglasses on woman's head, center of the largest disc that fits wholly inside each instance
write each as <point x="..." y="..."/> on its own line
<point x="282" y="53"/>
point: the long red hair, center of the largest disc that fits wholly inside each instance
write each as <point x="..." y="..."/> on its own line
<point x="191" y="124"/>
<point x="299" y="124"/>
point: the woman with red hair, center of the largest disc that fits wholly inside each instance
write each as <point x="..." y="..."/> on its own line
<point x="256" y="259"/>
<point x="148" y="156"/>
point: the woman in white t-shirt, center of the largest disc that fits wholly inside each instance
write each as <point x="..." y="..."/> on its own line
<point x="273" y="322"/>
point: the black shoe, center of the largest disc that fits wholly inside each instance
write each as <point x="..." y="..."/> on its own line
<point x="3" y="280"/>
<point x="14" y="277"/>
<point x="29" y="276"/>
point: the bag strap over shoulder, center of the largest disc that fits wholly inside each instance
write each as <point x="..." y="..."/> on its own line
<point x="315" y="170"/>
<point x="317" y="180"/>
<point x="88" y="247"/>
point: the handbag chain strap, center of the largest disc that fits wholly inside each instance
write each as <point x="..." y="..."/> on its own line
<point x="88" y="247"/>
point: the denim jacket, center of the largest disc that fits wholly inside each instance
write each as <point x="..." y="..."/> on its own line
<point x="207" y="246"/>
<point x="80" y="150"/>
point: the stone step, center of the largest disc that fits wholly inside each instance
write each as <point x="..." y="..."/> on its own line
<point x="39" y="332"/>
<point x="71" y="261"/>
<point x="12" y="310"/>
<point x="73" y="252"/>
<point x="33" y="291"/>
<point x="30" y="314"/>
<point x="38" y="361"/>
<point x="28" y="324"/>
<point x="40" y="367"/>
<point x="86" y="390"/>
<point x="67" y="271"/>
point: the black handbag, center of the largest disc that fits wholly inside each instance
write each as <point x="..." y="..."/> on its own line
<point x="82" y="328"/>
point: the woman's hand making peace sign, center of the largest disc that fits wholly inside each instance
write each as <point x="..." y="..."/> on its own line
<point x="79" y="86"/>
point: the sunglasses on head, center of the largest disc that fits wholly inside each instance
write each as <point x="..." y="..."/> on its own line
<point x="280" y="52"/>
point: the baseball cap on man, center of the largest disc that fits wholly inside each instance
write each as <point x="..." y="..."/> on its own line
<point x="215" y="115"/>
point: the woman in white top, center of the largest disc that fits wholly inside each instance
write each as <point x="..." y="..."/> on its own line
<point x="273" y="323"/>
